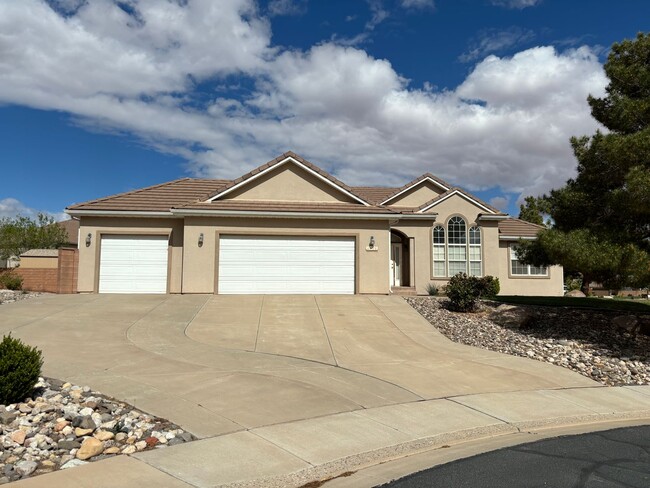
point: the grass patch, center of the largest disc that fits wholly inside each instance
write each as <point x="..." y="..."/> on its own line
<point x="639" y="306"/>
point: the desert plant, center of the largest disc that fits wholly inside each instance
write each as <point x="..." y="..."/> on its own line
<point x="20" y="367"/>
<point x="432" y="289"/>
<point x="465" y="291"/>
<point x="11" y="281"/>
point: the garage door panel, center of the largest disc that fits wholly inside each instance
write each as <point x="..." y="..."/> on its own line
<point x="133" y="264"/>
<point x="263" y="264"/>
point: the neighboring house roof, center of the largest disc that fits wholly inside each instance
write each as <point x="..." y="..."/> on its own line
<point x="458" y="191"/>
<point x="158" y="197"/>
<point x="518" y="228"/>
<point x="421" y="179"/>
<point x="71" y="228"/>
<point x="41" y="253"/>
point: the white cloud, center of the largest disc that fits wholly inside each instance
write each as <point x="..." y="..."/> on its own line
<point x="418" y="4"/>
<point x="287" y="7"/>
<point x="501" y="203"/>
<point x="516" y="4"/>
<point x="10" y="208"/>
<point x="506" y="125"/>
<point x="490" y="41"/>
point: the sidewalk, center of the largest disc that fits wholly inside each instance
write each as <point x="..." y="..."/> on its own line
<point x="294" y="453"/>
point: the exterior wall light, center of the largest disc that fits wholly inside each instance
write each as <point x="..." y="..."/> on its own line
<point x="201" y="239"/>
<point x="88" y="239"/>
<point x="371" y="244"/>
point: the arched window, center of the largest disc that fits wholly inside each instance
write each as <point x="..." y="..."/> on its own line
<point x="457" y="246"/>
<point x="439" y="263"/>
<point x="475" y="251"/>
<point x="457" y="251"/>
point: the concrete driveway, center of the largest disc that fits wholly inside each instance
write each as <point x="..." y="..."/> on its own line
<point x="220" y="364"/>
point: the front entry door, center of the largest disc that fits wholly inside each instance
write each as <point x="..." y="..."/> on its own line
<point x="396" y="264"/>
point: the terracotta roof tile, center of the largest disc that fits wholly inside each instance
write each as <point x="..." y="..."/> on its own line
<point x="373" y="194"/>
<point x="519" y="228"/>
<point x="277" y="206"/>
<point x="156" y="198"/>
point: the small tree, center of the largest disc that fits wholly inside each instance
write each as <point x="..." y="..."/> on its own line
<point x="21" y="234"/>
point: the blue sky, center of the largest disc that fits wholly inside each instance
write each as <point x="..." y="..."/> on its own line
<point x="102" y="97"/>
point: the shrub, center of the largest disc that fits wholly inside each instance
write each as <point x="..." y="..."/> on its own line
<point x="20" y="367"/>
<point x="11" y="281"/>
<point x="464" y="291"/>
<point x="573" y="283"/>
<point x="432" y="289"/>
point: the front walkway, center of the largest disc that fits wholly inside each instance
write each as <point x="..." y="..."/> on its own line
<point x="297" y="386"/>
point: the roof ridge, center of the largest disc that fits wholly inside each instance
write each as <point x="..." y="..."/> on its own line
<point x="416" y="182"/>
<point x="284" y="156"/>
<point x="131" y="192"/>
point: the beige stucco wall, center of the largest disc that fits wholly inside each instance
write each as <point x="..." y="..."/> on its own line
<point x="551" y="285"/>
<point x="417" y="196"/>
<point x="289" y="183"/>
<point x="96" y="226"/>
<point x="39" y="262"/>
<point x="200" y="264"/>
<point x="495" y="258"/>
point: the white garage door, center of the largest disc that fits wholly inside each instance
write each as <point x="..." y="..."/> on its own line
<point x="286" y="265"/>
<point x="133" y="264"/>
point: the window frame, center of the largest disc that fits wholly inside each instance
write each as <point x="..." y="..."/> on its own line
<point x="512" y="254"/>
<point x="446" y="248"/>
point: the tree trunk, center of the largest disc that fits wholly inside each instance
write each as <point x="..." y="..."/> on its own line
<point x="585" y="288"/>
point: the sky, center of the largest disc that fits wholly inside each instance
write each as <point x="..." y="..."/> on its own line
<point x="103" y="96"/>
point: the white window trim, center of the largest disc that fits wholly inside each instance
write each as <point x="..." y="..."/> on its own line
<point x="446" y="246"/>
<point x="511" y="250"/>
<point x="480" y="250"/>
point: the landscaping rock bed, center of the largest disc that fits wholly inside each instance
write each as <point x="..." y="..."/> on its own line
<point x="9" y="296"/>
<point x="602" y="345"/>
<point x="66" y="426"/>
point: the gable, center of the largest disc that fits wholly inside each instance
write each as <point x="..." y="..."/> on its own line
<point x="417" y="195"/>
<point x="289" y="183"/>
<point x="457" y="204"/>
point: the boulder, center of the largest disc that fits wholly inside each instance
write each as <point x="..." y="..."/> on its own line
<point x="627" y="323"/>
<point x="90" y="447"/>
<point x="511" y="316"/>
<point x="575" y="294"/>
<point x="7" y="417"/>
<point x="25" y="468"/>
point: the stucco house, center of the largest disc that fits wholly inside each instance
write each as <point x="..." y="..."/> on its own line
<point x="290" y="227"/>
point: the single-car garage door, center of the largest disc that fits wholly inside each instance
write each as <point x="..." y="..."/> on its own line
<point x="133" y="264"/>
<point x="286" y="265"/>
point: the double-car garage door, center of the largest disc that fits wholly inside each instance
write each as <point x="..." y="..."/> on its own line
<point x="246" y="264"/>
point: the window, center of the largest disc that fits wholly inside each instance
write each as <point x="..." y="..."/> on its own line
<point x="457" y="246"/>
<point x="439" y="251"/>
<point x="460" y="252"/>
<point x="519" y="269"/>
<point x="475" y="251"/>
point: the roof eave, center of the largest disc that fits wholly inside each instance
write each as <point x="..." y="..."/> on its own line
<point x="117" y="213"/>
<point x="189" y="212"/>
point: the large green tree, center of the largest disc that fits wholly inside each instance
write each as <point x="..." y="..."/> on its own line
<point x="19" y="234"/>
<point x="601" y="218"/>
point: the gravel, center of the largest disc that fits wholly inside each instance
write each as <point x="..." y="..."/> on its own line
<point x="10" y="296"/>
<point x="67" y="425"/>
<point x="586" y="341"/>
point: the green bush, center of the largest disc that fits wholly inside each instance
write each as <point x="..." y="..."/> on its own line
<point x="11" y="281"/>
<point x="573" y="283"/>
<point x="432" y="289"/>
<point x="464" y="291"/>
<point x="20" y="367"/>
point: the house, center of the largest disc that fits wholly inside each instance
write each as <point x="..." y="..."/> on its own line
<point x="290" y="227"/>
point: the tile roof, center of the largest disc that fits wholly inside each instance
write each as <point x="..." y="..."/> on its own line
<point x="271" y="206"/>
<point x="415" y="182"/>
<point x="519" y="228"/>
<point x="156" y="198"/>
<point x="373" y="194"/>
